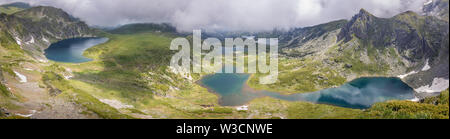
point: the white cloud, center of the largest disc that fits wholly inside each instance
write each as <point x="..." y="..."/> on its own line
<point x="230" y="15"/>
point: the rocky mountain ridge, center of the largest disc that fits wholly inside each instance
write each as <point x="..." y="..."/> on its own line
<point x="437" y="8"/>
<point x="371" y="46"/>
<point x="34" y="29"/>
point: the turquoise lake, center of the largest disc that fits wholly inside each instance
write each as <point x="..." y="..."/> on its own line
<point x="233" y="91"/>
<point x="359" y="94"/>
<point x="71" y="50"/>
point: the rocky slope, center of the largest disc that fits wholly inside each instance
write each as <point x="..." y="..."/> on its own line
<point x="35" y="28"/>
<point x="371" y="46"/>
<point x="23" y="37"/>
<point x="295" y="40"/>
<point x="319" y="57"/>
<point x="438" y="8"/>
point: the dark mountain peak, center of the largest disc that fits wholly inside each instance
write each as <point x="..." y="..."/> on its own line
<point x="417" y="35"/>
<point x="363" y="11"/>
<point x="359" y="25"/>
<point x="363" y="15"/>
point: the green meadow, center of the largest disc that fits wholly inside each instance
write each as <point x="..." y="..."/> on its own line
<point x="133" y="69"/>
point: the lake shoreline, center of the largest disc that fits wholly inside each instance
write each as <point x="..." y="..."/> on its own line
<point x="72" y="50"/>
<point x="200" y="83"/>
<point x="325" y="93"/>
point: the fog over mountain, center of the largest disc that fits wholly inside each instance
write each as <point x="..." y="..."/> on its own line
<point x="224" y="15"/>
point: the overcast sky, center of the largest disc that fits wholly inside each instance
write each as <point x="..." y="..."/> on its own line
<point x="225" y="15"/>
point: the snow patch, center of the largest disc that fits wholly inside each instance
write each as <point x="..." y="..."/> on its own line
<point x="116" y="104"/>
<point x="19" y="42"/>
<point x="242" y="108"/>
<point x="429" y="2"/>
<point x="427" y="66"/>
<point x="407" y="74"/>
<point x="43" y="60"/>
<point x="31" y="41"/>
<point x="27" y="115"/>
<point x="438" y="85"/>
<point x="45" y="40"/>
<point x="68" y="77"/>
<point x="174" y="88"/>
<point x="23" y="78"/>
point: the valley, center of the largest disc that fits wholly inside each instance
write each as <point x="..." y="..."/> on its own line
<point x="126" y="74"/>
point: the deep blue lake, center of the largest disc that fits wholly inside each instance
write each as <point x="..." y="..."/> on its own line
<point x="360" y="93"/>
<point x="71" y="50"/>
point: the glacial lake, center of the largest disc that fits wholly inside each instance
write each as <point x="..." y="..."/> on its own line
<point x="71" y="50"/>
<point x="359" y="94"/>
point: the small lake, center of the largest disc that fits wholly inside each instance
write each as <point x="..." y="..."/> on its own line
<point x="359" y="94"/>
<point x="71" y="50"/>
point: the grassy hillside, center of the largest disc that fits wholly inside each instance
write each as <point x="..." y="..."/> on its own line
<point x="130" y="78"/>
<point x="142" y="28"/>
<point x="132" y="68"/>
<point x="429" y="108"/>
<point x="13" y="7"/>
<point x="9" y="10"/>
<point x="328" y="55"/>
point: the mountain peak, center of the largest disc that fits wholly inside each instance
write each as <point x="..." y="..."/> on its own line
<point x="363" y="14"/>
<point x="362" y="17"/>
<point x="363" y="11"/>
<point x="359" y="25"/>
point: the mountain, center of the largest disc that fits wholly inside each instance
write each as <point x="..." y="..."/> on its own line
<point x="21" y="5"/>
<point x="14" y="7"/>
<point x="130" y="76"/>
<point x="419" y="41"/>
<point x="34" y="29"/>
<point x="438" y="8"/>
<point x="24" y="35"/>
<point x="368" y="45"/>
<point x="308" y="36"/>
<point x="142" y="28"/>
